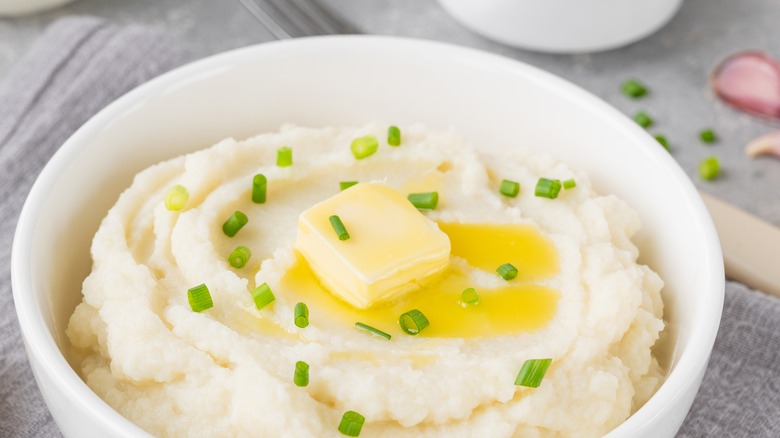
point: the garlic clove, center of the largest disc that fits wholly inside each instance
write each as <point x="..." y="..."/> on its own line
<point x="768" y="144"/>
<point x="749" y="81"/>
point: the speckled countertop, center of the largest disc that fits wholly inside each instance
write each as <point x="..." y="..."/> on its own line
<point x="674" y="63"/>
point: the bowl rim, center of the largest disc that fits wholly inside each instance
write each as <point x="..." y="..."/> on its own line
<point x="46" y="357"/>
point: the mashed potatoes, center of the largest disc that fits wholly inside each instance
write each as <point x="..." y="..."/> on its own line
<point x="228" y="370"/>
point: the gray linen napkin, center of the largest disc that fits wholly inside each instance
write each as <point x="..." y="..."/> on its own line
<point x="81" y="64"/>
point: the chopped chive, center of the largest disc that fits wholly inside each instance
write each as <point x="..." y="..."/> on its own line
<point x="176" y="197"/>
<point x="633" y="89"/>
<point x="469" y="297"/>
<point x="239" y="257"/>
<point x="393" y="136"/>
<point x="339" y="227"/>
<point x="426" y="201"/>
<point x="507" y="271"/>
<point x="708" y="136"/>
<point x="365" y="146"/>
<point x="643" y="120"/>
<point x="373" y="330"/>
<point x="351" y="423"/>
<point x="284" y="156"/>
<point x="344" y="185"/>
<point x="199" y="298"/>
<point x="413" y="322"/>
<point x="709" y="168"/>
<point x="301" y="376"/>
<point x="547" y="188"/>
<point x="664" y="142"/>
<point x="259" y="188"/>
<point x="301" y="315"/>
<point x="569" y="184"/>
<point x="532" y="372"/>
<point x="262" y="296"/>
<point x="234" y="223"/>
<point x="509" y="188"/>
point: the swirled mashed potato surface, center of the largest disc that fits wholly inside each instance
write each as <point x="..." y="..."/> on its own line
<point x="228" y="370"/>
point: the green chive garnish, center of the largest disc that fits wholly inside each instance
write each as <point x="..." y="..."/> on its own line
<point x="365" y="146"/>
<point x="393" y="136"/>
<point x="507" y="271"/>
<point x="426" y="201"/>
<point x="569" y="184"/>
<point x="259" y="188"/>
<point x="344" y="185"/>
<point x="301" y="376"/>
<point x="176" y="197"/>
<point x="664" y="142"/>
<point x="509" y="188"/>
<point x="413" y="322"/>
<point x="532" y="372"/>
<point x="373" y="330"/>
<point x="351" y="423"/>
<point x="643" y="120"/>
<point x="339" y="227"/>
<point x="708" y="136"/>
<point x="199" y="298"/>
<point x="469" y="297"/>
<point x="239" y="257"/>
<point x="284" y="157"/>
<point x="234" y="223"/>
<point x="633" y="89"/>
<point x="709" y="168"/>
<point x="548" y="188"/>
<point x="262" y="296"/>
<point x="301" y="315"/>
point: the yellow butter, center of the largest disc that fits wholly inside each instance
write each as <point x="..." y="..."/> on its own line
<point x="392" y="249"/>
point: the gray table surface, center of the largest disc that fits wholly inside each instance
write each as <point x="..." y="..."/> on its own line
<point x="674" y="62"/>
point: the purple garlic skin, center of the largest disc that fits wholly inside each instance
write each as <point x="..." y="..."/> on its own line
<point x="768" y="144"/>
<point x="749" y="81"/>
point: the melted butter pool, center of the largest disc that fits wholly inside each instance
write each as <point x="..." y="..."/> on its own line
<point x="519" y="306"/>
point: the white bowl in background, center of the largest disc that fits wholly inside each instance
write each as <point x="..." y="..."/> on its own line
<point x="351" y="80"/>
<point x="563" y="26"/>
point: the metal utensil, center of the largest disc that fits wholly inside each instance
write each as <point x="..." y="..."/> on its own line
<point x="296" y="18"/>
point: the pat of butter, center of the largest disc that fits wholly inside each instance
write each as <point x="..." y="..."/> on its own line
<point x="392" y="249"/>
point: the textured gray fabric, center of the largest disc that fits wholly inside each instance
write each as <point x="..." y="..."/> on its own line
<point x="81" y="64"/>
<point x="77" y="67"/>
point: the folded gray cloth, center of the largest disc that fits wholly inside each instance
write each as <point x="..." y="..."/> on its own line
<point x="81" y="64"/>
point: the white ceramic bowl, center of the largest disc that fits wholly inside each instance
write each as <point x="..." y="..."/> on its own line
<point x="349" y="81"/>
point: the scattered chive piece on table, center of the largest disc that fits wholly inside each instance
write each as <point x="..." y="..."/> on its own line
<point x="507" y="271"/>
<point x="469" y="297"/>
<point x="176" y="197"/>
<point x="532" y="372"/>
<point x="344" y="185"/>
<point x="259" y="188"/>
<point x="413" y="322"/>
<point x="509" y="188"/>
<point x="643" y="120"/>
<point x="301" y="376"/>
<point x="262" y="296"/>
<point x="351" y="423"/>
<point x="547" y="188"/>
<point x="708" y="136"/>
<point x="709" y="168"/>
<point x="339" y="227"/>
<point x="664" y="142"/>
<point x="199" y="298"/>
<point x="426" y="201"/>
<point x="284" y="157"/>
<point x="393" y="136"/>
<point x="633" y="89"/>
<point x="234" y="223"/>
<point x="373" y="330"/>
<point x="239" y="257"/>
<point x="301" y="315"/>
<point x="365" y="146"/>
<point x="569" y="184"/>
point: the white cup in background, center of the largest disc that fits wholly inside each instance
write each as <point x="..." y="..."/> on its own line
<point x="14" y="8"/>
<point x="563" y="26"/>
